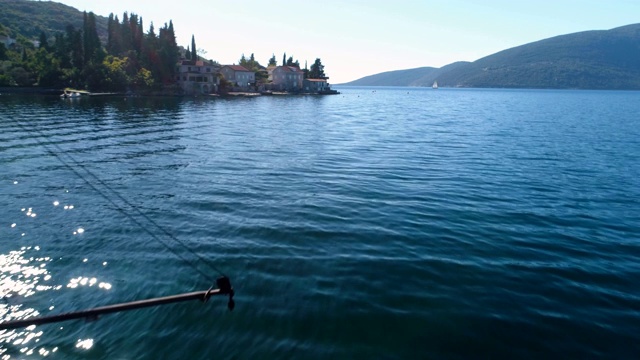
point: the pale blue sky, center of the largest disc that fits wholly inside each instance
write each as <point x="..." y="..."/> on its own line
<point x="358" y="38"/>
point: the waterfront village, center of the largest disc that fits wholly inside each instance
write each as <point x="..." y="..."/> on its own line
<point x="118" y="68"/>
<point x="200" y="77"/>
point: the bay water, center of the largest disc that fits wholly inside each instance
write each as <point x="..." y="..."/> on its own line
<point x="390" y="223"/>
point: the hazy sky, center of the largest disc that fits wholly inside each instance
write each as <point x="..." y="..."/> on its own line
<point x="356" y="38"/>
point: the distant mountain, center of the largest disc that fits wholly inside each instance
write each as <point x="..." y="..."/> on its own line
<point x="407" y="77"/>
<point x="29" y="18"/>
<point x="606" y="59"/>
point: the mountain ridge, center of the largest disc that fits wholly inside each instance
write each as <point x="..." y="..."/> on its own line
<point x="30" y="18"/>
<point x="594" y="59"/>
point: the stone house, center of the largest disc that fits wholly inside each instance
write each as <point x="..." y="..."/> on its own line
<point x="287" y="78"/>
<point x="238" y="75"/>
<point x="197" y="77"/>
<point x="315" y="85"/>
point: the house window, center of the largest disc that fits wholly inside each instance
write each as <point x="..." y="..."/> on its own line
<point x="208" y="69"/>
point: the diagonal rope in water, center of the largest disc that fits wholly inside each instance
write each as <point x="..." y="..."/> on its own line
<point x="122" y="211"/>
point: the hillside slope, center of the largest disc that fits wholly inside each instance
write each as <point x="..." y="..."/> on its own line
<point x="606" y="59"/>
<point x="29" y="18"/>
<point x="395" y="78"/>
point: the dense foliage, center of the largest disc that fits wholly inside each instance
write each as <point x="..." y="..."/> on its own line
<point x="130" y="60"/>
<point x="252" y="64"/>
<point x="317" y="70"/>
<point x="272" y="61"/>
<point x="85" y="51"/>
<point x="137" y="60"/>
<point x="31" y="18"/>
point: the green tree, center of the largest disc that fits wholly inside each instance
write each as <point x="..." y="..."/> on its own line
<point x="251" y="63"/>
<point x="5" y="77"/>
<point x="95" y="76"/>
<point x="51" y="75"/>
<point x="291" y="62"/>
<point x="272" y="61"/>
<point x="90" y="41"/>
<point x="73" y="47"/>
<point x="143" y="79"/>
<point x="46" y="69"/>
<point x="194" y="54"/>
<point x="60" y="49"/>
<point x="116" y="78"/>
<point x="168" y="53"/>
<point x="114" y="35"/>
<point x="44" y="43"/>
<point x="317" y="70"/>
<point x="138" y="34"/>
<point x="150" y="59"/>
<point x="21" y="76"/>
<point x="126" y="35"/>
<point x="3" y="52"/>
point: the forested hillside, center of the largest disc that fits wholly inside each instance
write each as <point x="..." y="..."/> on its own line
<point x="48" y="48"/>
<point x="30" y="18"/>
<point x="606" y="59"/>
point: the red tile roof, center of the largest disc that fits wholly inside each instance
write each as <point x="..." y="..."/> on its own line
<point x="288" y="69"/>
<point x="193" y="63"/>
<point x="294" y="69"/>
<point x="237" y="68"/>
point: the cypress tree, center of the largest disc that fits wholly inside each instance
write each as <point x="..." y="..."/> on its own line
<point x="138" y="37"/>
<point x="194" y="53"/>
<point x="168" y="53"/>
<point x="3" y="52"/>
<point x="110" y="34"/>
<point x="114" y="41"/>
<point x="73" y="47"/>
<point x="85" y="38"/>
<point x="126" y="36"/>
<point x="44" y="43"/>
<point x="90" y="40"/>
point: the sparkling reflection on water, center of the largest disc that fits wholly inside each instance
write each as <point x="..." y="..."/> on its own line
<point x="23" y="273"/>
<point x="396" y="223"/>
<point x="27" y="286"/>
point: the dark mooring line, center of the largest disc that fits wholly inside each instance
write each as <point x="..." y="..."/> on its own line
<point x="224" y="288"/>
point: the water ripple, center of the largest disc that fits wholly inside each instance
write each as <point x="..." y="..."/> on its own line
<point x="395" y="223"/>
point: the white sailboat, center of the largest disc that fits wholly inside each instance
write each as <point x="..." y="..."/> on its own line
<point x="435" y="85"/>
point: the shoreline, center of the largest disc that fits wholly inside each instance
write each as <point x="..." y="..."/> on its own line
<point x="85" y="93"/>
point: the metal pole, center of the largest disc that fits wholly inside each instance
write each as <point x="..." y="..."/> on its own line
<point x="225" y="289"/>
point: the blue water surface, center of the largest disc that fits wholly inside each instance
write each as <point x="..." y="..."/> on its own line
<point x="384" y="223"/>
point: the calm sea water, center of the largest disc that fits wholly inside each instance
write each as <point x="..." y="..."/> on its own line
<point x="380" y="223"/>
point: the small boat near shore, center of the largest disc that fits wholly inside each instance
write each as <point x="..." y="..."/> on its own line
<point x="70" y="95"/>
